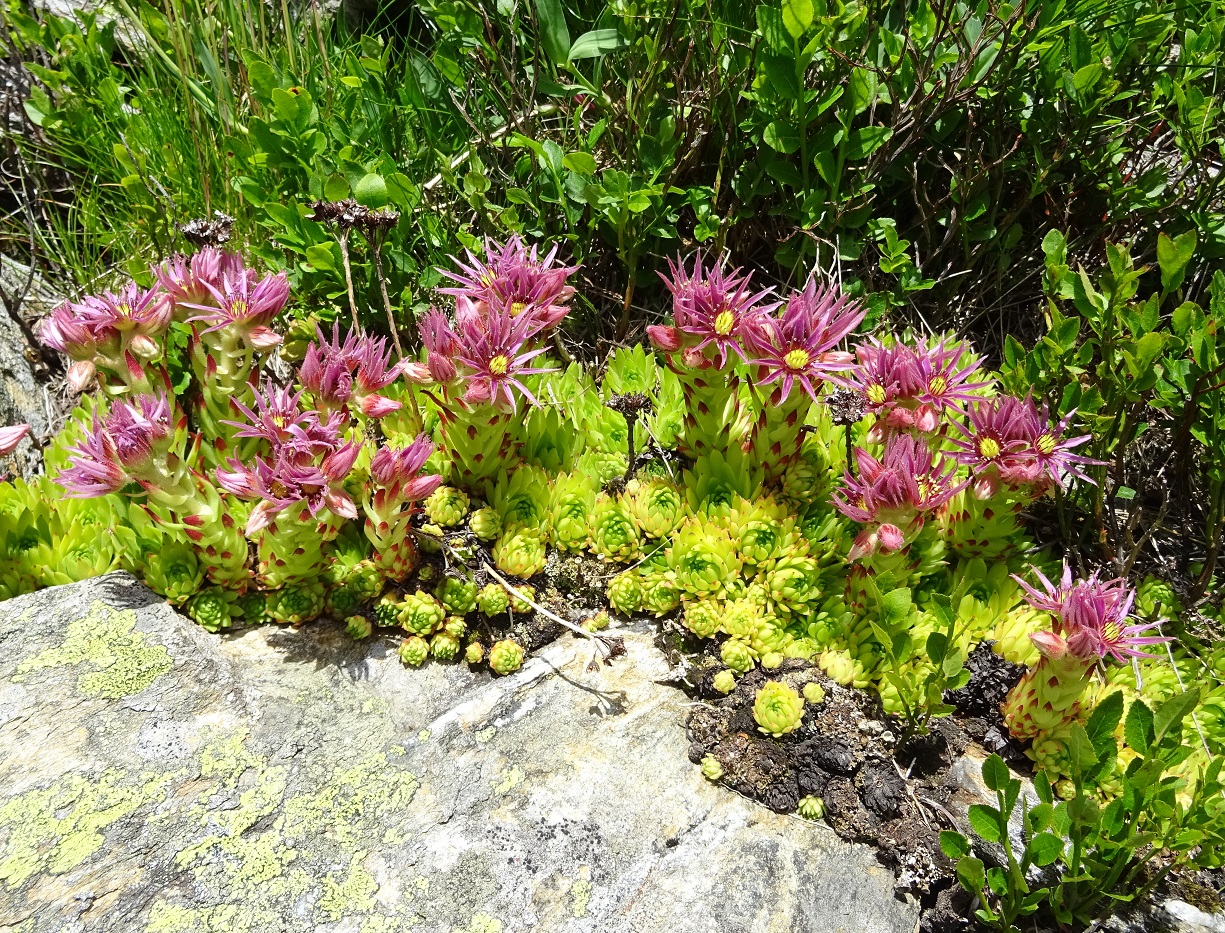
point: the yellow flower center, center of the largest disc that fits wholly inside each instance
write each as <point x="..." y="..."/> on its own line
<point x="125" y="310"/>
<point x="239" y="309"/>
<point x="499" y="365"/>
<point x="516" y="308"/>
<point x="724" y="322"/>
<point x="1045" y="444"/>
<point x="278" y="420"/>
<point x="989" y="448"/>
<point x="938" y="386"/>
<point x="796" y="359"/>
<point x="1111" y="632"/>
<point x="877" y="394"/>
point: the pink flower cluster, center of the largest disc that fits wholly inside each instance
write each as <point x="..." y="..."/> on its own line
<point x="226" y="294"/>
<point x="513" y="279"/>
<point x="505" y="305"/>
<point x="397" y="478"/>
<point x="913" y="387"/>
<point x="120" y="448"/>
<point x="351" y="372"/>
<point x="718" y="317"/>
<point x="1009" y="442"/>
<point x="123" y="327"/>
<point x="893" y="495"/>
<point x="307" y="462"/>
<point x="121" y="331"/>
<point x="1090" y="618"/>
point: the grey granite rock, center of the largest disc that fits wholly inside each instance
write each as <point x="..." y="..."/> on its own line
<point x="157" y="778"/>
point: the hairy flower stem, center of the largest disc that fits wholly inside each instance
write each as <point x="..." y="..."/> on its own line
<point x="293" y="550"/>
<point x="714" y="417"/>
<point x="376" y="244"/>
<point x="194" y="504"/>
<point x="344" y="259"/>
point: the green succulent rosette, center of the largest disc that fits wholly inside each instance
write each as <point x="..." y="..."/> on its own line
<point x="521" y="499"/>
<point x="173" y="571"/>
<point x="737" y="655"/>
<point x="387" y="611"/>
<point x="711" y="769"/>
<point x="571" y="504"/>
<point x="703" y="559"/>
<point x="457" y="595"/>
<point x="520" y="552"/>
<point x="414" y="651"/>
<point x="724" y="681"/>
<point x="741" y="618"/>
<point x="365" y="579"/>
<point x="811" y="808"/>
<point x="626" y="593"/>
<point x="446" y="506"/>
<point x="474" y="653"/>
<point x="294" y="605"/>
<point x="343" y="601"/>
<point x="1012" y="631"/>
<point x="657" y="506"/>
<point x="358" y="627"/>
<point x="444" y="646"/>
<point x="485" y="524"/>
<point x="505" y="657"/>
<point x="778" y="709"/>
<point x="1155" y="598"/>
<point x="770" y="638"/>
<point x="660" y="594"/>
<point x="614" y="536"/>
<point x="210" y="609"/>
<point x="421" y="614"/>
<point x="493" y="600"/>
<point x="794" y="584"/>
<point x="838" y="665"/>
<point x="703" y="616"/>
<point x="455" y="626"/>
<point x="251" y="607"/>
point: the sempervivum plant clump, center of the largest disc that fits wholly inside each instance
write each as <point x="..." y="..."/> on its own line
<point x="1089" y="625"/>
<point x="781" y="493"/>
<point x="478" y="363"/>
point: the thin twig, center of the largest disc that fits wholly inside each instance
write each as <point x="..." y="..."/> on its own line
<point x="609" y="648"/>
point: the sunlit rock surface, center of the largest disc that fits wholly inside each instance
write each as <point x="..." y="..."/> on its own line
<point x="156" y="778"/>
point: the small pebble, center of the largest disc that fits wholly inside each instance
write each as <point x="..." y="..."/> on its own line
<point x="871" y="727"/>
<point x="888" y="737"/>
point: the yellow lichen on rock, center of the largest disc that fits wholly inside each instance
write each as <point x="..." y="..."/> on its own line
<point x="54" y="829"/>
<point x="123" y="661"/>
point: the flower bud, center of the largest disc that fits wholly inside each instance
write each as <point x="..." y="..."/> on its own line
<point x="263" y="338"/>
<point x="667" y="339"/>
<point x="145" y="347"/>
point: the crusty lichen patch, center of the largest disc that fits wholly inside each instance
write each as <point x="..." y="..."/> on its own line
<point x="274" y="847"/>
<point x="122" y="662"/>
<point x="54" y="829"/>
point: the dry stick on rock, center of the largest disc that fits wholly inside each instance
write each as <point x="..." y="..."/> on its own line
<point x="609" y="648"/>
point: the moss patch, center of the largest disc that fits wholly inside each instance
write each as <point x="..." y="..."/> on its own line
<point x="122" y="661"/>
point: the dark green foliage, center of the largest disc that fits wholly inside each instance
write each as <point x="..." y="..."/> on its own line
<point x="1097" y="852"/>
<point x="923" y="150"/>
